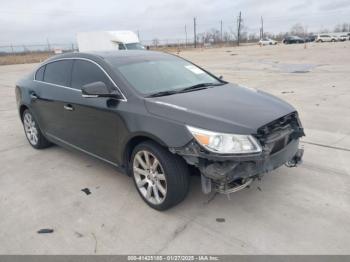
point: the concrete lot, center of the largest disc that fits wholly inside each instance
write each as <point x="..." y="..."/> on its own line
<point x="305" y="210"/>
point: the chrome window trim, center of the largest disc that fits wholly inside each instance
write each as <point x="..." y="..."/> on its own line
<point x="66" y="87"/>
<point x="84" y="59"/>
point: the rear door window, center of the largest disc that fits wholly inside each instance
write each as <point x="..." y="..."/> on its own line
<point x="39" y="75"/>
<point x="85" y="72"/>
<point x="58" y="72"/>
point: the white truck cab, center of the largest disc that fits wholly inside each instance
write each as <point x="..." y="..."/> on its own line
<point x="108" y="41"/>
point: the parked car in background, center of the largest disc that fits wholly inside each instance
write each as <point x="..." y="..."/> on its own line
<point x="267" y="41"/>
<point x="310" y="38"/>
<point x="153" y="115"/>
<point x="342" y="38"/>
<point x="293" y="40"/>
<point x="325" y="38"/>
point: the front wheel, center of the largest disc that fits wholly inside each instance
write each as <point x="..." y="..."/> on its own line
<point x="33" y="132"/>
<point x="161" y="178"/>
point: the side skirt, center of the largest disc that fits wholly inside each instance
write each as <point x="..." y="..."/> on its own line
<point x="68" y="145"/>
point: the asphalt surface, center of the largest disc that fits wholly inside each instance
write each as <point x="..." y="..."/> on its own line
<point x="303" y="210"/>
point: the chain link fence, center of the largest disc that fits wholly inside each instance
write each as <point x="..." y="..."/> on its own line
<point x="34" y="53"/>
<point x="36" y="48"/>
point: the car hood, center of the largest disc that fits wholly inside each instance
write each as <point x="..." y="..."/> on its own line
<point x="228" y="108"/>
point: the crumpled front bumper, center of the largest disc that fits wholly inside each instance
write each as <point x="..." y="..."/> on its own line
<point x="228" y="168"/>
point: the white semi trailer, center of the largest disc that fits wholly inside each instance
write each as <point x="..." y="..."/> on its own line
<point x="108" y="41"/>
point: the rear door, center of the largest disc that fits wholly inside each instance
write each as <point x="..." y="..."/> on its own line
<point x="48" y="98"/>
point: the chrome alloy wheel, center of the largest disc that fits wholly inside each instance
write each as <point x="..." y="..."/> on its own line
<point x="150" y="177"/>
<point x="30" y="129"/>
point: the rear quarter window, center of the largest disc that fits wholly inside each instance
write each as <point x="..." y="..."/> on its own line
<point x="58" y="72"/>
<point x="39" y="75"/>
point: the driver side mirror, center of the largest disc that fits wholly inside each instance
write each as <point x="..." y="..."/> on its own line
<point x="98" y="89"/>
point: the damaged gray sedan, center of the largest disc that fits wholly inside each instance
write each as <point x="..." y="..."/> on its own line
<point x="158" y="118"/>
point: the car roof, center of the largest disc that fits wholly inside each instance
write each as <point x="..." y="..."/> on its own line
<point x="135" y="55"/>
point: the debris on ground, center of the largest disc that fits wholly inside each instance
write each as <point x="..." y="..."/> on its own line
<point x="86" y="191"/>
<point x="287" y="92"/>
<point x="259" y="188"/>
<point x="45" y="231"/>
<point x="220" y="220"/>
<point x="78" y="234"/>
<point x="300" y="71"/>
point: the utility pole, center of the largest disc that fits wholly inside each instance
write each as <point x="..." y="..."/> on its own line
<point x="194" y="31"/>
<point x="48" y="45"/>
<point x="262" y="28"/>
<point x="239" y="28"/>
<point x="186" y="36"/>
<point x="138" y="34"/>
<point x="221" y="30"/>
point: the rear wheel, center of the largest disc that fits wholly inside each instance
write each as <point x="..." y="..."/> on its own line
<point x="33" y="132"/>
<point x="161" y="178"/>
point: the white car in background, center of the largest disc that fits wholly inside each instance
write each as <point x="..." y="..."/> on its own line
<point x="267" y="41"/>
<point x="342" y="38"/>
<point x="325" y="38"/>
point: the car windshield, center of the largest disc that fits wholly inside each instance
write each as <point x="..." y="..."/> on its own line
<point x="150" y="77"/>
<point x="134" y="46"/>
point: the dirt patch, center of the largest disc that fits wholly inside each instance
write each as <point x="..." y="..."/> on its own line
<point x="24" y="58"/>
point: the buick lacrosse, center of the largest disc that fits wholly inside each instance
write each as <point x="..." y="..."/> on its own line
<point x="158" y="118"/>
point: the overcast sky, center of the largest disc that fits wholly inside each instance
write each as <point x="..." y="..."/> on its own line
<point x="35" y="21"/>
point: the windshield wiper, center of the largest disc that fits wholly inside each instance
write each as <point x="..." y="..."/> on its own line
<point x="199" y="87"/>
<point x="163" y="93"/>
<point x="184" y="90"/>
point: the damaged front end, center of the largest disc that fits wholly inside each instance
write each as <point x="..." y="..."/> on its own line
<point x="228" y="173"/>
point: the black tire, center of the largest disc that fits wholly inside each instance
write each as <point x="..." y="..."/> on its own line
<point x="176" y="174"/>
<point x="41" y="142"/>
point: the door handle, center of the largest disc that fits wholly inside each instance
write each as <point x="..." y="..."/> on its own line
<point x="33" y="96"/>
<point x="68" y="107"/>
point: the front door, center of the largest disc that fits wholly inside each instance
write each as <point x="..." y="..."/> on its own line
<point x="91" y="124"/>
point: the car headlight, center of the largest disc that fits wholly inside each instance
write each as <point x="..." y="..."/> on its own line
<point x="225" y="143"/>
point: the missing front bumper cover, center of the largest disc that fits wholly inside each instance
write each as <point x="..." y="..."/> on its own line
<point x="228" y="174"/>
